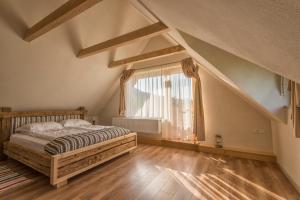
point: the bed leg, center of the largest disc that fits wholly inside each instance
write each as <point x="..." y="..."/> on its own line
<point x="61" y="184"/>
<point x="3" y="157"/>
<point x="131" y="151"/>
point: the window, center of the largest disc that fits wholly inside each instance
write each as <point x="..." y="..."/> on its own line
<point x="164" y="93"/>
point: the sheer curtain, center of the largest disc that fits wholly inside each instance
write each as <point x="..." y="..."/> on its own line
<point x="164" y="93"/>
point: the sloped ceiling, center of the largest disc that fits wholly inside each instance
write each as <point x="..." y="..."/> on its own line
<point x="193" y="52"/>
<point x="258" y="83"/>
<point x="46" y="74"/>
<point x="263" y="32"/>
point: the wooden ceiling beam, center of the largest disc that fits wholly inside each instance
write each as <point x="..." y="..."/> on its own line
<point x="64" y="13"/>
<point x="137" y="35"/>
<point x="148" y="56"/>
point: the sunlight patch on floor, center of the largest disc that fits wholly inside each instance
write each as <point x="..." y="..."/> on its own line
<point x="272" y="194"/>
<point x="217" y="160"/>
<point x="210" y="186"/>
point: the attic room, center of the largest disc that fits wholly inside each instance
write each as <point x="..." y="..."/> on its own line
<point x="150" y="99"/>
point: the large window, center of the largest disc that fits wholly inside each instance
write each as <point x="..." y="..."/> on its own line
<point x="164" y="93"/>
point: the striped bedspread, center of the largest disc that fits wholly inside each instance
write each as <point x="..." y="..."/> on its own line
<point x="76" y="141"/>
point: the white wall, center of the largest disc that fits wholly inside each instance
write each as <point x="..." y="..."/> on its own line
<point x="225" y="113"/>
<point x="260" y="84"/>
<point x="46" y="74"/>
<point x="287" y="150"/>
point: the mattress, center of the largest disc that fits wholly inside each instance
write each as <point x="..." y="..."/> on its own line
<point x="38" y="141"/>
<point x="30" y="142"/>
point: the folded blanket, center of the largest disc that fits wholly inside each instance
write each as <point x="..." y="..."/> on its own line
<point x="76" y="141"/>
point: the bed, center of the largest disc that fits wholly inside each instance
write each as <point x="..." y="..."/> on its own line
<point x="61" y="165"/>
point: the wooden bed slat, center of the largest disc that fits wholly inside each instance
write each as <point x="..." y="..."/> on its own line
<point x="76" y="157"/>
<point x="81" y="164"/>
<point x="26" y="160"/>
<point x="42" y="159"/>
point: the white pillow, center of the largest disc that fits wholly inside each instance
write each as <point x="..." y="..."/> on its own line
<point x="75" y="123"/>
<point x="39" y="127"/>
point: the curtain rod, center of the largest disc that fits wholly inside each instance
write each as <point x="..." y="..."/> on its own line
<point x="154" y="66"/>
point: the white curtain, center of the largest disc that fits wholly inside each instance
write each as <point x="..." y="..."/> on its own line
<point x="164" y="93"/>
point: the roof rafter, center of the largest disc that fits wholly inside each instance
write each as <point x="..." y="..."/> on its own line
<point x="62" y="14"/>
<point x="148" y="56"/>
<point x="137" y="35"/>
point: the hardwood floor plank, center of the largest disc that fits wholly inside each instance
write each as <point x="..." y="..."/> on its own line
<point x="282" y="185"/>
<point x="155" y="172"/>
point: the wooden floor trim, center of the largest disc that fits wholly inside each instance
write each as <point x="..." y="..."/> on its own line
<point x="239" y="153"/>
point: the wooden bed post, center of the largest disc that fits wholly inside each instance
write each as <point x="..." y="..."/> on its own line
<point x="83" y="112"/>
<point x="54" y="174"/>
<point x="5" y="125"/>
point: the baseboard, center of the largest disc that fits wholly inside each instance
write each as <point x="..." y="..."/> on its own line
<point x="239" y="153"/>
<point x="253" y="155"/>
<point x="148" y="140"/>
<point x="296" y="186"/>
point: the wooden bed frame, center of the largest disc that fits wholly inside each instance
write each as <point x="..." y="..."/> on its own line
<point x="63" y="166"/>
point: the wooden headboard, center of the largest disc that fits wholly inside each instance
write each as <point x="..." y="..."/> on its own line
<point x="10" y="120"/>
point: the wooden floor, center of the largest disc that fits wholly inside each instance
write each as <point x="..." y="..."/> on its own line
<point x="153" y="172"/>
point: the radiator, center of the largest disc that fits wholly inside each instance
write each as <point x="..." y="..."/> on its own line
<point x="139" y="125"/>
